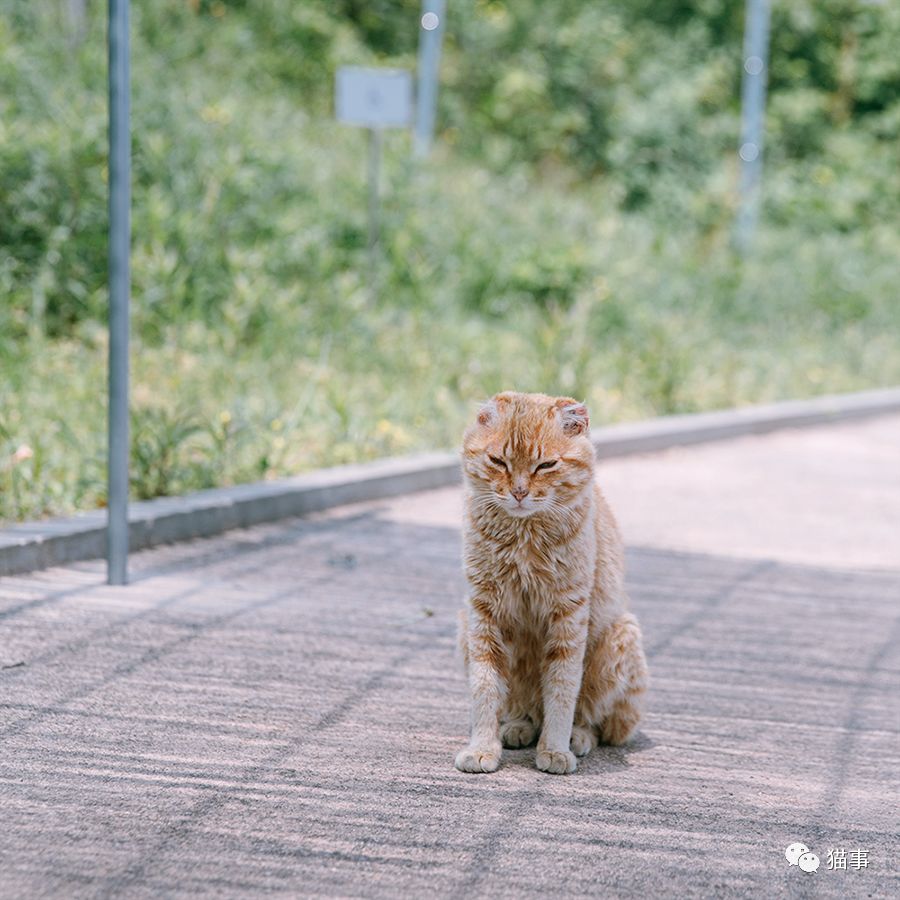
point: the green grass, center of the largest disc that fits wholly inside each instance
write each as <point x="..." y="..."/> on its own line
<point x="263" y="343"/>
<point x="656" y="323"/>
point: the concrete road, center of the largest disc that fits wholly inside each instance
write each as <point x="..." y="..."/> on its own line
<point x="276" y="711"/>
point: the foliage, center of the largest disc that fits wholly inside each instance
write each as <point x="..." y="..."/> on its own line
<point x="572" y="232"/>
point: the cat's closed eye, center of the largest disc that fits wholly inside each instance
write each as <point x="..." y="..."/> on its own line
<point x="546" y="465"/>
<point x="497" y="461"/>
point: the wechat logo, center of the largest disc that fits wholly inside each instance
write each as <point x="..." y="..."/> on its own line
<point x="798" y="854"/>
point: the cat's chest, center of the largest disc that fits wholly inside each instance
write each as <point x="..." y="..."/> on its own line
<point x="529" y="578"/>
<point x="521" y="564"/>
<point x="522" y="611"/>
<point x="536" y="565"/>
<point x="528" y="572"/>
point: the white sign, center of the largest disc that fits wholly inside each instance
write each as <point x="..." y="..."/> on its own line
<point x="374" y="98"/>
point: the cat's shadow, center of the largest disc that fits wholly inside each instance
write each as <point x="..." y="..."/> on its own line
<point x="598" y="762"/>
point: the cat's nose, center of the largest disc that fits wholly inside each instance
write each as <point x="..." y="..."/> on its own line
<point x="520" y="493"/>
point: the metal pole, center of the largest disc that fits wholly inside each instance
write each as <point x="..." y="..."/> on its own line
<point x="119" y="248"/>
<point x="753" y="102"/>
<point x="375" y="137"/>
<point x="77" y="20"/>
<point x="431" y="35"/>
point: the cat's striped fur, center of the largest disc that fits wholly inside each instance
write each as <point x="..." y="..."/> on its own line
<point x="549" y="645"/>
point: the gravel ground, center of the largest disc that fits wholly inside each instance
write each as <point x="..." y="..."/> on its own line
<point x="276" y="710"/>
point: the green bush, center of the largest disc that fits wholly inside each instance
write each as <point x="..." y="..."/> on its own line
<point x="571" y="232"/>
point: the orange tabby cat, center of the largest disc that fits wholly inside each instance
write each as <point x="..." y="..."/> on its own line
<point x="548" y="643"/>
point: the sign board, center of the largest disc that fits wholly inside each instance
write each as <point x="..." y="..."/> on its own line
<point x="373" y="98"/>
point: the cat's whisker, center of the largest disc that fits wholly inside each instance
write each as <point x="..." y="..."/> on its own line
<point x="555" y="506"/>
<point x="483" y="502"/>
<point x="485" y="497"/>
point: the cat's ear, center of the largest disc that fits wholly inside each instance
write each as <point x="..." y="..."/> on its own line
<point x="488" y="414"/>
<point x="573" y="415"/>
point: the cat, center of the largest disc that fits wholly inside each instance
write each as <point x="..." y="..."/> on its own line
<point x="548" y="644"/>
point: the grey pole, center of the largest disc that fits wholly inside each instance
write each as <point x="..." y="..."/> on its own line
<point x="375" y="140"/>
<point x="119" y="248"/>
<point x="376" y="137"/>
<point x="430" y="37"/>
<point x="77" y="21"/>
<point x="753" y="102"/>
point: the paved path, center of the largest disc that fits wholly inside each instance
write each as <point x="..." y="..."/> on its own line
<point x="277" y="710"/>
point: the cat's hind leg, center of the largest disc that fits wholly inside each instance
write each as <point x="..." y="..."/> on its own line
<point x="520" y="719"/>
<point x="584" y="739"/>
<point x="615" y="681"/>
<point x="621" y="722"/>
<point x="518" y="732"/>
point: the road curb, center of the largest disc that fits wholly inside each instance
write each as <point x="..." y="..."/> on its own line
<point x="37" y="545"/>
<point x="695" y="428"/>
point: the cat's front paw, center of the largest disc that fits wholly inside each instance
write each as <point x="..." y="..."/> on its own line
<point x="556" y="762"/>
<point x="473" y="759"/>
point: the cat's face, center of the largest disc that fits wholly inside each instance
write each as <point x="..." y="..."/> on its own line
<point x="528" y="453"/>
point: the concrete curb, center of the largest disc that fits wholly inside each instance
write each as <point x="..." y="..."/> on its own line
<point x="37" y="545"/>
<point x="696" y="428"/>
